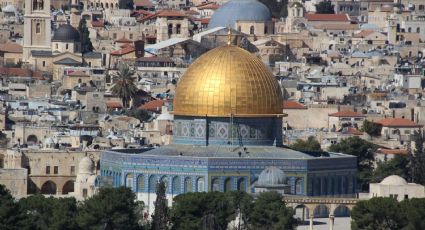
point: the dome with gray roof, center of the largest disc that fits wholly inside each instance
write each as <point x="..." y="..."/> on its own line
<point x="66" y="33"/>
<point x="271" y="176"/>
<point x="239" y="10"/>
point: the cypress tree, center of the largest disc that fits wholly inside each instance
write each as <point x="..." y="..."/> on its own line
<point x="161" y="215"/>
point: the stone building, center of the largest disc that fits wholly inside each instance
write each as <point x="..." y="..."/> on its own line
<point x="396" y="187"/>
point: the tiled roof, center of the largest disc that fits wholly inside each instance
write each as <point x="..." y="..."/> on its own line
<point x="144" y="3"/>
<point x="353" y="131"/>
<point x="346" y="113"/>
<point x="293" y="105"/>
<point x="123" y="40"/>
<point x="99" y="23"/>
<point x="19" y="72"/>
<point x="393" y="151"/>
<point x="113" y="104"/>
<point x="41" y="53"/>
<point x="170" y="13"/>
<point x="11" y="48"/>
<point x="210" y="6"/>
<point x="397" y="122"/>
<point x="328" y="17"/>
<point x="123" y="51"/>
<point x="363" y="34"/>
<point x="154" y="105"/>
<point x="67" y="61"/>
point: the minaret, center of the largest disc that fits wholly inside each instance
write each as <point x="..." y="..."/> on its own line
<point x="37" y="27"/>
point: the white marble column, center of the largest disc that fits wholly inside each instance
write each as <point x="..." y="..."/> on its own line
<point x="311" y="222"/>
<point x="331" y="222"/>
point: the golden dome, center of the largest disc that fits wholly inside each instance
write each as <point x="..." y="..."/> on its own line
<point x="228" y="80"/>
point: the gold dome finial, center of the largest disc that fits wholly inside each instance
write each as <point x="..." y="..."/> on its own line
<point x="229" y="36"/>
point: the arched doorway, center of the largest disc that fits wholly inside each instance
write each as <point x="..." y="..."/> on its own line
<point x="242" y="185"/>
<point x="215" y="185"/>
<point x="228" y="185"/>
<point x="49" y="187"/>
<point x="32" y="140"/>
<point x="32" y="187"/>
<point x="321" y="211"/>
<point x="187" y="185"/>
<point x="301" y="212"/>
<point x="68" y="187"/>
<point x="342" y="211"/>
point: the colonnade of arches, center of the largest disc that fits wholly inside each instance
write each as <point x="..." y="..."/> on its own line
<point x="105" y="5"/>
<point x="51" y="187"/>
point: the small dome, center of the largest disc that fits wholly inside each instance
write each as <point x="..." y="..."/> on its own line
<point x="66" y="33"/>
<point x="86" y="166"/>
<point x="239" y="10"/>
<point x="394" y="180"/>
<point x="271" y="176"/>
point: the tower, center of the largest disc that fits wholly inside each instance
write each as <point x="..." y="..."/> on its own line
<point x="295" y="16"/>
<point x="37" y="27"/>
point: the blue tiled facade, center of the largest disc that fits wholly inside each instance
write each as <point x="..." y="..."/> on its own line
<point x="332" y="176"/>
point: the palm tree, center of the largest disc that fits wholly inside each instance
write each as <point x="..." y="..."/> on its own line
<point x="124" y="86"/>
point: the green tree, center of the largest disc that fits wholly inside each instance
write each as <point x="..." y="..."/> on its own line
<point x="126" y="4"/>
<point x="363" y="150"/>
<point x="160" y="217"/>
<point x="399" y="165"/>
<point x="141" y="114"/>
<point x="212" y="210"/>
<point x="10" y="215"/>
<point x="86" y="45"/>
<point x="111" y="208"/>
<point x="325" y="7"/>
<point x="372" y="128"/>
<point x="414" y="210"/>
<point x="49" y="213"/>
<point x="270" y="212"/>
<point x="378" y="213"/>
<point x="124" y="86"/>
<point x="417" y="159"/>
<point x="310" y="145"/>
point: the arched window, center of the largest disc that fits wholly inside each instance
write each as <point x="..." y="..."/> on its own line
<point x="187" y="185"/>
<point x="164" y="179"/>
<point x="200" y="184"/>
<point x="298" y="186"/>
<point x="129" y="181"/>
<point x="140" y="183"/>
<point x="37" y="28"/>
<point x="175" y="185"/>
<point x="215" y="185"/>
<point x="49" y="187"/>
<point x="409" y="30"/>
<point x="68" y="187"/>
<point x="251" y="30"/>
<point x="241" y="184"/>
<point x="170" y="29"/>
<point x="152" y="184"/>
<point x="228" y="185"/>
<point x="178" y="29"/>
<point x="418" y="30"/>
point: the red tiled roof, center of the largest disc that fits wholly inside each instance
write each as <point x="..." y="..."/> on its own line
<point x="328" y="17"/>
<point x="123" y="40"/>
<point x="191" y="12"/>
<point x="363" y="34"/>
<point x="353" y="131"/>
<point x="11" y="48"/>
<point x="205" y="20"/>
<point x="210" y="6"/>
<point x="113" y="104"/>
<point x="393" y="151"/>
<point x="18" y="72"/>
<point x="123" y="51"/>
<point x="293" y="105"/>
<point x="99" y="23"/>
<point x="154" y="105"/>
<point x="144" y="3"/>
<point x="170" y="13"/>
<point x="397" y="122"/>
<point x="346" y="113"/>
